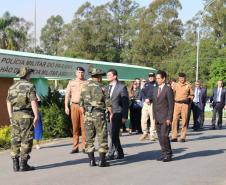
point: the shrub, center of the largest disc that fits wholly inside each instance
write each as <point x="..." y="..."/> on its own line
<point x="55" y="122"/>
<point x="5" y="138"/>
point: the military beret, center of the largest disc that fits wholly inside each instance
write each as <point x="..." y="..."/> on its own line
<point x="79" y="68"/>
<point x="23" y="71"/>
<point x="181" y="74"/>
<point x="151" y="74"/>
<point x="96" y="71"/>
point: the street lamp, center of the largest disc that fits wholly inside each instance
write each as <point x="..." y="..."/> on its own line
<point x="198" y="39"/>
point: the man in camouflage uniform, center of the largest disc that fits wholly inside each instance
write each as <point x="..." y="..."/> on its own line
<point x="94" y="103"/>
<point x="23" y="114"/>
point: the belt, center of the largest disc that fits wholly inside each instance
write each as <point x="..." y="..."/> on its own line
<point x="75" y="103"/>
<point x="98" y="110"/>
<point x="22" y="110"/>
<point x="182" y="102"/>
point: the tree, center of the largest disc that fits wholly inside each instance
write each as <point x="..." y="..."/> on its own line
<point x="89" y="35"/>
<point x="14" y="32"/>
<point x="215" y="19"/>
<point x="160" y="30"/>
<point x="218" y="71"/>
<point x="124" y="15"/>
<point x="51" y="35"/>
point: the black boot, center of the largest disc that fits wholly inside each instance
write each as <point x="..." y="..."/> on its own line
<point x="92" y="161"/>
<point x="24" y="166"/>
<point x="16" y="166"/>
<point x="103" y="162"/>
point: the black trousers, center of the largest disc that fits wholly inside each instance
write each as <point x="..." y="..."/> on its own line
<point x="114" y="129"/>
<point x="135" y="120"/>
<point x="217" y="110"/>
<point x="163" y="134"/>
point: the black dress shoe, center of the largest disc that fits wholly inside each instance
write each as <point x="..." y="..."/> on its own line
<point x="174" y="140"/>
<point x="182" y="140"/>
<point x="121" y="156"/>
<point x="74" y="151"/>
<point x="160" y="158"/>
<point x="110" y="158"/>
<point x="167" y="159"/>
<point x="213" y="128"/>
<point x="196" y="129"/>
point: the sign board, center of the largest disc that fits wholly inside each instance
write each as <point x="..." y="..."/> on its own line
<point x="58" y="67"/>
<point x="44" y="68"/>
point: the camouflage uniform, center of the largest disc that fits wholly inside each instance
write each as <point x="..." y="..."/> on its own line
<point x="94" y="102"/>
<point x="20" y="96"/>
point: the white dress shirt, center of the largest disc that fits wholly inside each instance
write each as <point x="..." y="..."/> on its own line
<point x="196" y="98"/>
<point x="113" y="84"/>
<point x="219" y="89"/>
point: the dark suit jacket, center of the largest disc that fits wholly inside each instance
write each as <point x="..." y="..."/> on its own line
<point x="213" y="98"/>
<point x="163" y="105"/>
<point x="120" y="100"/>
<point x="202" y="97"/>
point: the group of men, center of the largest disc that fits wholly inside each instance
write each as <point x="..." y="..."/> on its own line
<point x="187" y="99"/>
<point x="86" y="101"/>
<point x="90" y="105"/>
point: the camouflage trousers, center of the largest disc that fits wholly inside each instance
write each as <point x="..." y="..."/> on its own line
<point x="22" y="132"/>
<point x="95" y="124"/>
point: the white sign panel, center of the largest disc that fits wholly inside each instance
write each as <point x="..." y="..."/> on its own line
<point x="10" y="64"/>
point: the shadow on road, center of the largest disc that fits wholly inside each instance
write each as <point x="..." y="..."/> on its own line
<point x="203" y="153"/>
<point x="66" y="163"/>
<point x="143" y="156"/>
<point x="55" y="146"/>
<point x="207" y="137"/>
<point x="192" y="133"/>
<point x="135" y="144"/>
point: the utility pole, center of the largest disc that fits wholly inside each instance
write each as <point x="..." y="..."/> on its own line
<point x="35" y="28"/>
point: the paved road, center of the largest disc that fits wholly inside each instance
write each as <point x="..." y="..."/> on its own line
<point x="199" y="161"/>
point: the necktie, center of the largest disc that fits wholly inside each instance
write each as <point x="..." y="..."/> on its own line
<point x="159" y="91"/>
<point x="109" y="90"/>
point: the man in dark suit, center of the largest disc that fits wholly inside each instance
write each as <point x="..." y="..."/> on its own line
<point x="120" y="105"/>
<point x="163" y="104"/>
<point x="218" y="101"/>
<point x="198" y="105"/>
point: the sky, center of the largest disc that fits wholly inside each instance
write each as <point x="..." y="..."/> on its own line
<point x="67" y="8"/>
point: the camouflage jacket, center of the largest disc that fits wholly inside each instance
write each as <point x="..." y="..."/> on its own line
<point x="92" y="94"/>
<point x="20" y="95"/>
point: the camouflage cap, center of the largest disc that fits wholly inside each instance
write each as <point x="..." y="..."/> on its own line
<point x="24" y="71"/>
<point x="95" y="71"/>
